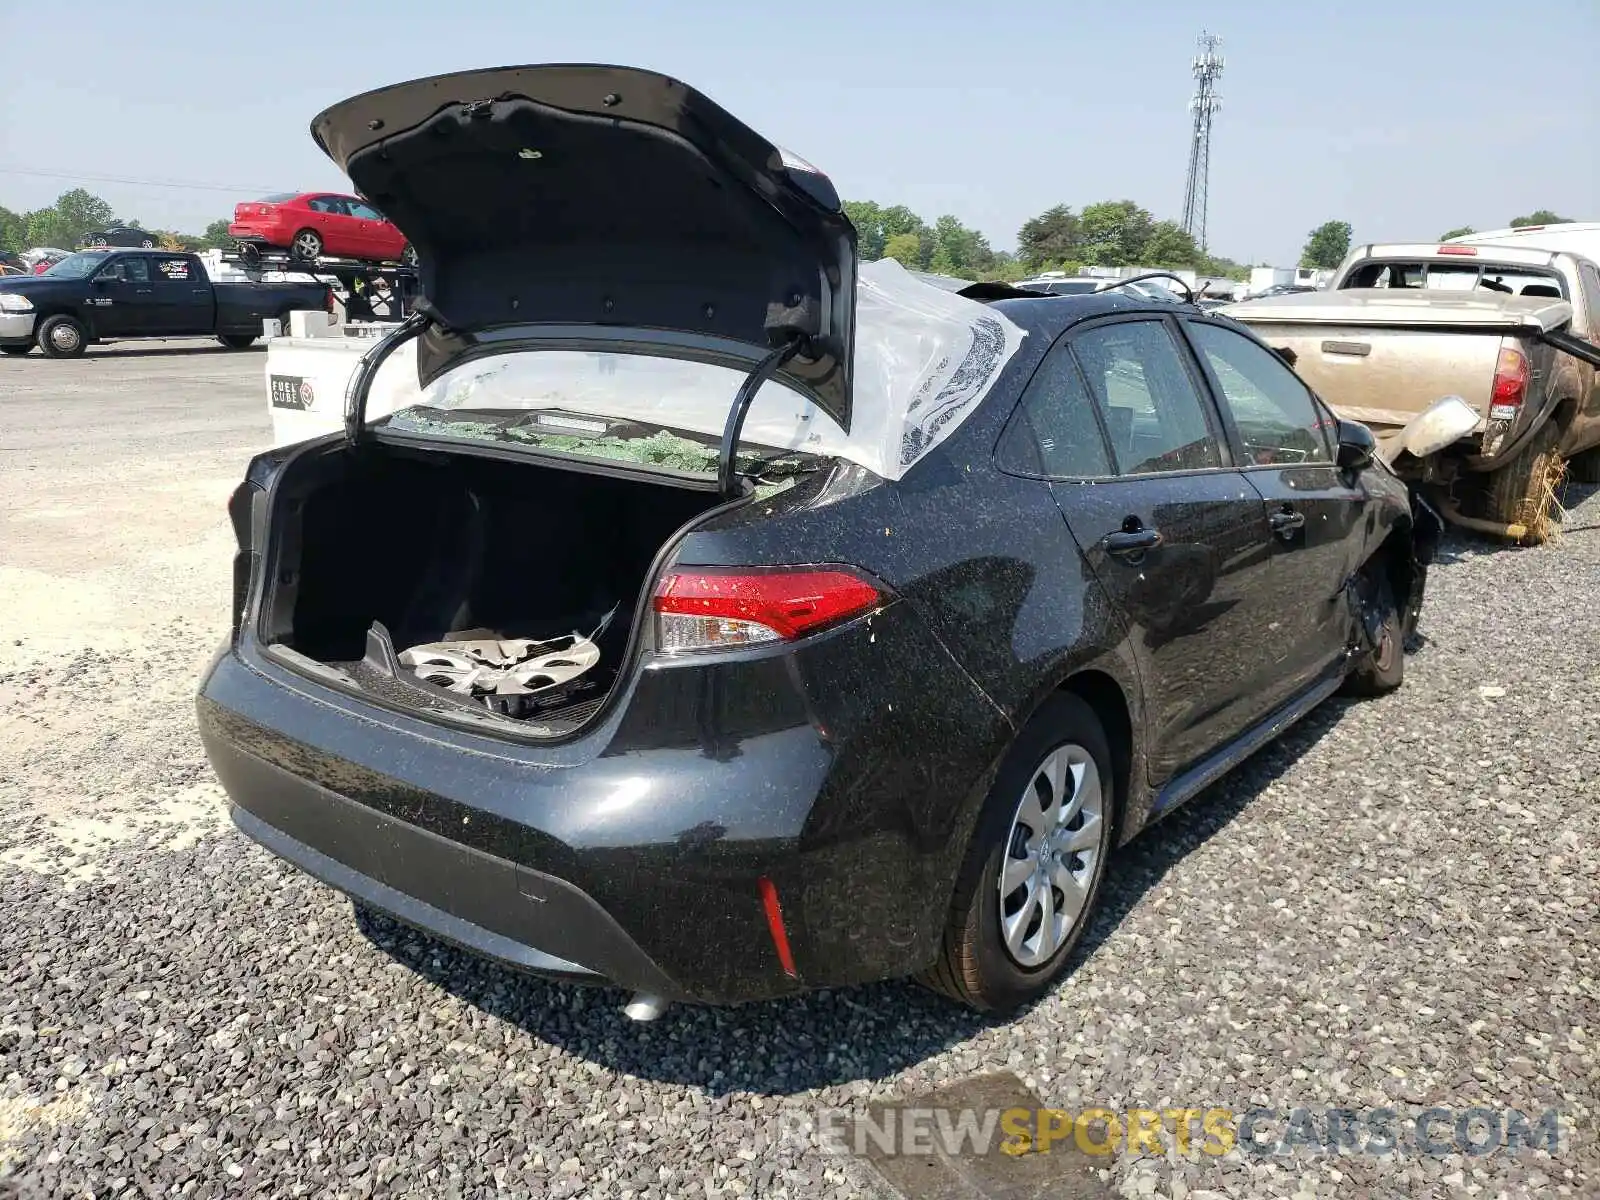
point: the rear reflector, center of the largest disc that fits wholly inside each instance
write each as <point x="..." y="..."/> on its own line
<point x="1471" y="250"/>
<point x="722" y="608"/>
<point x="1510" y="384"/>
<point x="780" y="935"/>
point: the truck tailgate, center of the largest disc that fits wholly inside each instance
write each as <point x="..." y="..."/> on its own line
<point x="1385" y="377"/>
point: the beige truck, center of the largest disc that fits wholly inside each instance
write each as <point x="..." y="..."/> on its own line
<point x="1514" y="333"/>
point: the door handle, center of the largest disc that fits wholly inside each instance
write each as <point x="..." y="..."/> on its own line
<point x="1285" y="523"/>
<point x="1130" y="542"/>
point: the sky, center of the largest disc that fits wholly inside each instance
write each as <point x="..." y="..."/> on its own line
<point x="1404" y="118"/>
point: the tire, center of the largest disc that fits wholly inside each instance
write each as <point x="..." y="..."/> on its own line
<point x="408" y="256"/>
<point x="62" y="336"/>
<point x="17" y="351"/>
<point x="1384" y="669"/>
<point x="978" y="965"/>
<point x="237" y="341"/>
<point x="306" y="246"/>
<point x="1519" y="492"/>
<point x="1585" y="467"/>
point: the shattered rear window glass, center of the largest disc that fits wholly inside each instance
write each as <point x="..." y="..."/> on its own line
<point x="596" y="437"/>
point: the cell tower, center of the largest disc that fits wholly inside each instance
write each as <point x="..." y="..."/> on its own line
<point x="1204" y="106"/>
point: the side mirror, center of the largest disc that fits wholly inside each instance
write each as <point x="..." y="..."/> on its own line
<point x="1357" y="446"/>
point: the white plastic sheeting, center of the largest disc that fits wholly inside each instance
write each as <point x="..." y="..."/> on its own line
<point x="924" y="359"/>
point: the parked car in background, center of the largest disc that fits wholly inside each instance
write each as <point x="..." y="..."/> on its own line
<point x="114" y="294"/>
<point x="1574" y="237"/>
<point x="1088" y="285"/>
<point x="1284" y="289"/>
<point x="40" y="259"/>
<point x="1514" y="333"/>
<point x="311" y="225"/>
<point x="720" y="700"/>
<point x="123" y="235"/>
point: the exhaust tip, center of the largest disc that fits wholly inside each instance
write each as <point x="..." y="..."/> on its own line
<point x="645" y="1007"/>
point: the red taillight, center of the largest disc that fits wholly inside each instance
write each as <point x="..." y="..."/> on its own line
<point x="1458" y="250"/>
<point x="1510" y="384"/>
<point x="721" y="608"/>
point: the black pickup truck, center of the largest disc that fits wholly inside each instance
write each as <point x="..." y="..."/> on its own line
<point x="98" y="295"/>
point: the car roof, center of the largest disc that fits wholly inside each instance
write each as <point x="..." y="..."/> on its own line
<point x="1047" y="316"/>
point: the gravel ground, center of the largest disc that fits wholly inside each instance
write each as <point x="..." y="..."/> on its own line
<point x="1394" y="906"/>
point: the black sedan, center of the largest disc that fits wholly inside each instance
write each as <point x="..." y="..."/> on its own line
<point x="122" y="235"/>
<point x="559" y="674"/>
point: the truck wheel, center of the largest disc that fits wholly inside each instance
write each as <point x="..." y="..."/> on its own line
<point x="1585" y="467"/>
<point x="62" y="337"/>
<point x="19" y="351"/>
<point x="1381" y="669"/>
<point x="1522" y="491"/>
<point x="1032" y="875"/>
<point x="306" y="246"/>
<point x="237" y="341"/>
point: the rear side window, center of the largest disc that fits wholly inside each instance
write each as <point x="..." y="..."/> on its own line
<point x="1054" y="432"/>
<point x="1279" y="423"/>
<point x="328" y="204"/>
<point x="172" y="268"/>
<point x="365" y="211"/>
<point x="1154" y="413"/>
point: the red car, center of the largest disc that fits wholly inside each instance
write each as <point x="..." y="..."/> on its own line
<point x="311" y="225"/>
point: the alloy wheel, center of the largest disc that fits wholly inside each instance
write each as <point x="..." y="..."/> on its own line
<point x="308" y="245"/>
<point x="1053" y="853"/>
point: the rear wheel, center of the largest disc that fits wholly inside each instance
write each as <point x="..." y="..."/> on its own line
<point x="62" y="337"/>
<point x="306" y="246"/>
<point x="1522" y="492"/>
<point x="237" y="341"/>
<point x="1382" y="666"/>
<point x="1032" y="874"/>
<point x="19" y="351"/>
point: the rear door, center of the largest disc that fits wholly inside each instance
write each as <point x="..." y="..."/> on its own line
<point x="1176" y="537"/>
<point x="183" y="300"/>
<point x="1317" y="514"/>
<point x="121" y="297"/>
<point x="379" y="239"/>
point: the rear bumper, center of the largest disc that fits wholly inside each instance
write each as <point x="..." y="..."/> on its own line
<point x="518" y="916"/>
<point x="16" y="329"/>
<point x="636" y="855"/>
<point x="257" y="233"/>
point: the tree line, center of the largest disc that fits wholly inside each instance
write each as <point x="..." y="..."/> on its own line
<point x="1540" y="216"/>
<point x="1112" y="233"/>
<point x="78" y="213"/>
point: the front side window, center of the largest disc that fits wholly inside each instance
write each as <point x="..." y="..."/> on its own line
<point x="1278" y="421"/>
<point x="127" y="270"/>
<point x="1154" y="413"/>
<point x="1054" y="432"/>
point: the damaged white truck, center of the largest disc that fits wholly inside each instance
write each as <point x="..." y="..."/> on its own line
<point x="1508" y="338"/>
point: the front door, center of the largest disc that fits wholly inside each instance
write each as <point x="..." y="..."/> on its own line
<point x="121" y="298"/>
<point x="1313" y="509"/>
<point x="1177" y="539"/>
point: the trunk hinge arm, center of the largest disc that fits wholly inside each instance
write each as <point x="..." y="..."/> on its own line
<point x="727" y="457"/>
<point x="355" y="397"/>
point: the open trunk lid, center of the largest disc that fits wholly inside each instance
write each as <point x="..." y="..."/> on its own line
<point x="605" y="206"/>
